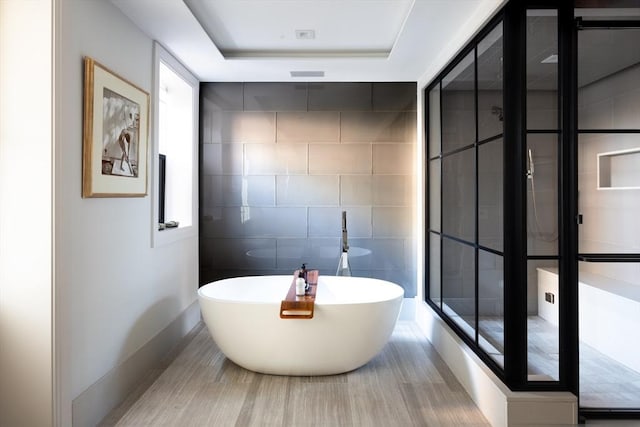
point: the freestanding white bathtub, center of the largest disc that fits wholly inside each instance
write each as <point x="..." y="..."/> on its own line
<point x="353" y="320"/>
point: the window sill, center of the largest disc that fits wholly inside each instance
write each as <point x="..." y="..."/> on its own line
<point x="173" y="234"/>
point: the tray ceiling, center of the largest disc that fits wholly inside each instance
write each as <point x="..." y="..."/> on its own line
<point x="311" y="40"/>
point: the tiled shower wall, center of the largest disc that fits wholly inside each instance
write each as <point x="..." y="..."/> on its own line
<point x="610" y="217"/>
<point x="281" y="161"/>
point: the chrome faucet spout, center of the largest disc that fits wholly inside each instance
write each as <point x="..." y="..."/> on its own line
<point x="345" y="243"/>
<point x="343" y="264"/>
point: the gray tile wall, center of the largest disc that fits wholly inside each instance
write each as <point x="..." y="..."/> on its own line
<point x="281" y="161"/>
<point x="542" y="231"/>
<point x="610" y="217"/>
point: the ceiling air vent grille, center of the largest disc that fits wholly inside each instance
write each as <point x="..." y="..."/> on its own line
<point x="307" y="73"/>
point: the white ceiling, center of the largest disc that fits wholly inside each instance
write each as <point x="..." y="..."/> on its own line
<point x="355" y="40"/>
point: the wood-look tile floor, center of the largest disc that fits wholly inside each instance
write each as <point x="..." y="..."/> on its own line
<point x="604" y="382"/>
<point x="407" y="384"/>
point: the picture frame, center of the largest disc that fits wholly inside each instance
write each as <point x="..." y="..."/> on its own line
<point x="115" y="134"/>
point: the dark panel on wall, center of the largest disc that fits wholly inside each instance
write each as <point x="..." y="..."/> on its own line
<point x="225" y="97"/>
<point x="394" y="96"/>
<point x="275" y="97"/>
<point x="339" y="96"/>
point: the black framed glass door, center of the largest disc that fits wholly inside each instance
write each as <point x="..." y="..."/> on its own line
<point x="608" y="168"/>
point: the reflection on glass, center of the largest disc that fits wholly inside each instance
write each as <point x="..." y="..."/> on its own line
<point x="542" y="69"/>
<point x="434" y="122"/>
<point x="609" y="362"/>
<point x="491" y="305"/>
<point x="458" y="106"/>
<point x="608" y="98"/>
<point x="458" y="284"/>
<point x="434" y="268"/>
<point x="608" y="73"/>
<point x="490" y="113"/>
<point x="490" y="201"/>
<point x="609" y="217"/>
<point x="434" y="194"/>
<point x="542" y="194"/>
<point x="458" y="195"/>
<point x="542" y="320"/>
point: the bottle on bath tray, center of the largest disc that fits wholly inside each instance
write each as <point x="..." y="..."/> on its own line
<point x="303" y="271"/>
<point x="300" y="285"/>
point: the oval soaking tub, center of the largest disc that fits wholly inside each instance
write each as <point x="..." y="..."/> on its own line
<point x="353" y="320"/>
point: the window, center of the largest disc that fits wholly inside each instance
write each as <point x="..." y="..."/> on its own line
<point x="466" y="259"/>
<point x="174" y="151"/>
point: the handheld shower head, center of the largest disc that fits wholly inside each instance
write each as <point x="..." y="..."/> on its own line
<point x="531" y="166"/>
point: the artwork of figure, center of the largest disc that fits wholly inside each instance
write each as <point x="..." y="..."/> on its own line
<point x="121" y="123"/>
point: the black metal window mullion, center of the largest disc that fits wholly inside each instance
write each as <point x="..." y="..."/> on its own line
<point x="427" y="189"/>
<point x="459" y="150"/>
<point x="609" y="257"/>
<point x="616" y="131"/>
<point x="568" y="200"/>
<point x="476" y="190"/>
<point x="440" y="116"/>
<point x="515" y="275"/>
<point x="490" y="139"/>
<point x="471" y="340"/>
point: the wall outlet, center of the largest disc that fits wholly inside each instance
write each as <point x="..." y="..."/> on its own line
<point x="549" y="297"/>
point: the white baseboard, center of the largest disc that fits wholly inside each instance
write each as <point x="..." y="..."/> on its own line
<point x="501" y="406"/>
<point x="93" y="404"/>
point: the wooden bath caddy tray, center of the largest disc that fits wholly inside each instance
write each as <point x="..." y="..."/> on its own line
<point x="300" y="307"/>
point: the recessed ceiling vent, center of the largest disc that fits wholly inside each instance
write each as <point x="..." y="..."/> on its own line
<point x="302" y="29"/>
<point x="307" y="73"/>
<point x="305" y="34"/>
<point x="551" y="59"/>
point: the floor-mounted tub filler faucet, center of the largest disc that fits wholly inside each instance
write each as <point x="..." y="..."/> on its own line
<point x="343" y="264"/>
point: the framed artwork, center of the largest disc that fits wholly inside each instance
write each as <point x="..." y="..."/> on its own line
<point x="115" y="135"/>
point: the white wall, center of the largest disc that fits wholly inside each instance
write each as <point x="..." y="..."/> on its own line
<point x="115" y="293"/>
<point x="26" y="372"/>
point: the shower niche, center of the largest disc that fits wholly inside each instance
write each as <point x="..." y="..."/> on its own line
<point x="618" y="170"/>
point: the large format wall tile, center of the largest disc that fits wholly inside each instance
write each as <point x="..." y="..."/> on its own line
<point x="356" y="190"/>
<point x="280" y="162"/>
<point x="307" y="190"/>
<point x="235" y="190"/>
<point x="316" y="253"/>
<point x="394" y="97"/>
<point x="221" y="159"/>
<point x="317" y="126"/>
<point x="327" y="222"/>
<point x="273" y="159"/>
<point x="377" y="254"/>
<point x="542" y="109"/>
<point x="275" y="97"/>
<point x="392" y="221"/>
<point x="247" y="127"/>
<point x="393" y="190"/>
<point x="223" y="96"/>
<point x="377" y="127"/>
<point x="247" y="221"/>
<point x="239" y="253"/>
<point x="340" y="96"/>
<point x="340" y="158"/>
<point x="393" y="159"/>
